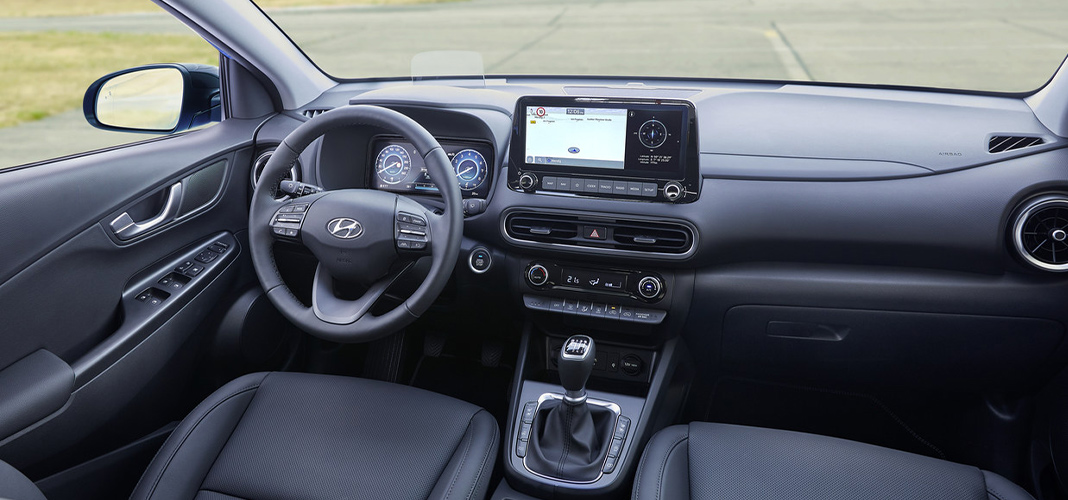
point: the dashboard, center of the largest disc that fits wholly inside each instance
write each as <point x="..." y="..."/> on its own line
<point x="397" y="166"/>
<point x="713" y="210"/>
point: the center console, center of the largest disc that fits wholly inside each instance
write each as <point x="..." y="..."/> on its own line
<point x="601" y="365"/>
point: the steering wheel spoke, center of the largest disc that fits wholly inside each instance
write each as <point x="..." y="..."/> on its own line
<point x="329" y="308"/>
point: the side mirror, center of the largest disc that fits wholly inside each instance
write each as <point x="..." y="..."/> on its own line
<point x="158" y="98"/>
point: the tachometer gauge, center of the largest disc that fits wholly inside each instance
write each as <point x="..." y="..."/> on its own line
<point x="393" y="164"/>
<point x="471" y="169"/>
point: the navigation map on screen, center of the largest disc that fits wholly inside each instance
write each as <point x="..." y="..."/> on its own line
<point x="578" y="137"/>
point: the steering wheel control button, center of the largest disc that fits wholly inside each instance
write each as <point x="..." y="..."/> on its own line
<point x="650" y="287"/>
<point x="479" y="261"/>
<point x="595" y="232"/>
<point x="537" y="275"/>
<point x="299" y="207"/>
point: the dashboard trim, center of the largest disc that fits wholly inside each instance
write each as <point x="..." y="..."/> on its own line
<point x="594" y="216"/>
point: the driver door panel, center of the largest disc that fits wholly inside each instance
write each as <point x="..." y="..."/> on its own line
<point x="72" y="288"/>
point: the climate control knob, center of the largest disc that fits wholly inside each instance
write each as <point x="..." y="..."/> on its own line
<point x="650" y="287"/>
<point x="537" y="275"/>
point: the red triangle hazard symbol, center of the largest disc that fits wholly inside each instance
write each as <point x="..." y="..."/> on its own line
<point x="594" y="234"/>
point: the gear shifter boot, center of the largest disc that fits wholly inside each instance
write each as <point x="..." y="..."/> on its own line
<point x="570" y="441"/>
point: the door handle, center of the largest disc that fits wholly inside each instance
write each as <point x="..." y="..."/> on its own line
<point x="125" y="227"/>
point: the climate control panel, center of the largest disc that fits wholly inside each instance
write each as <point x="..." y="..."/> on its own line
<point x="645" y="286"/>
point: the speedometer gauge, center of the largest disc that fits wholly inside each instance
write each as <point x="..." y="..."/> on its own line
<point x="393" y="164"/>
<point x="471" y="169"/>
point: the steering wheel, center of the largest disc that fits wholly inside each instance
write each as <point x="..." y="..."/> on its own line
<point x="359" y="236"/>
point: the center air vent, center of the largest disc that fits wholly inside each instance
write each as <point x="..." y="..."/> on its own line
<point x="261" y="161"/>
<point x="591" y="234"/>
<point x="1003" y="143"/>
<point x="1040" y="233"/>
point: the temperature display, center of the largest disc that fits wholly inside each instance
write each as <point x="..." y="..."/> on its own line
<point x="593" y="280"/>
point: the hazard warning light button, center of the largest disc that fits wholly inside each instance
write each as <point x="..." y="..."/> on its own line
<point x="594" y="232"/>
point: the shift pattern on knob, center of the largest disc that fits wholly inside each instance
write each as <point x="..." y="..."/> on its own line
<point x="576" y="365"/>
<point x="577" y="347"/>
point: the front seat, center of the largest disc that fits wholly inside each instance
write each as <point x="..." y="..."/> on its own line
<point x="302" y="436"/>
<point x="712" y="461"/>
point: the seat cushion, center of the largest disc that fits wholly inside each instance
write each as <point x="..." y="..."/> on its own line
<point x="15" y="486"/>
<point x="713" y="461"/>
<point x="291" y="435"/>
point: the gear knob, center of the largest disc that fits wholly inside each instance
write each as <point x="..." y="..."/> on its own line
<point x="576" y="365"/>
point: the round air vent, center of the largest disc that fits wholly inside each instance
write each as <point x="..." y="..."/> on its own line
<point x="261" y="161"/>
<point x="1041" y="233"/>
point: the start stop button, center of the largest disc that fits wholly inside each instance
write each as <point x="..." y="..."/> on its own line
<point x="479" y="260"/>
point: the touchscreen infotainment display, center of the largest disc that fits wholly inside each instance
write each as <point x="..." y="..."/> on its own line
<point x="624" y="139"/>
<point x="579" y="137"/>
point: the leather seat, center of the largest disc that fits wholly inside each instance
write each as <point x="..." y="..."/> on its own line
<point x="711" y="461"/>
<point x="301" y="436"/>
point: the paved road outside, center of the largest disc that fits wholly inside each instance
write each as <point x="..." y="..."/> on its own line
<point x="989" y="44"/>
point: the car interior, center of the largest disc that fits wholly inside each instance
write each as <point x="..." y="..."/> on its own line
<point x="536" y="287"/>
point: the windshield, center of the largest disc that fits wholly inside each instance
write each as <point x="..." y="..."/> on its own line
<point x="990" y="45"/>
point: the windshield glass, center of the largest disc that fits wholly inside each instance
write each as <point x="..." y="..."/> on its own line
<point x="990" y="45"/>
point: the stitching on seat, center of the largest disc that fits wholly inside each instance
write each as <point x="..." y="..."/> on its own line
<point x="638" y="477"/>
<point x="463" y="458"/>
<point x="989" y="489"/>
<point x="167" y="464"/>
<point x="663" y="465"/>
<point x="485" y="458"/>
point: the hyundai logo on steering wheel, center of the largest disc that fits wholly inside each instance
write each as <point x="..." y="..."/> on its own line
<point x="344" y="228"/>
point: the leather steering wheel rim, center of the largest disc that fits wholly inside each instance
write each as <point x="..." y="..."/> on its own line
<point x="447" y="229"/>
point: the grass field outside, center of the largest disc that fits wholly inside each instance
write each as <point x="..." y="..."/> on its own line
<point x="46" y="73"/>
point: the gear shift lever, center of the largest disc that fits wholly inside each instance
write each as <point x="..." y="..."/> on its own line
<point x="576" y="365"/>
<point x="570" y="438"/>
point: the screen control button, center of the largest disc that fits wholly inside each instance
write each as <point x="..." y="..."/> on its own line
<point x="590" y="185"/>
<point x="634" y="189"/>
<point x="605" y="186"/>
<point x="649" y="189"/>
<point x="548" y="183"/>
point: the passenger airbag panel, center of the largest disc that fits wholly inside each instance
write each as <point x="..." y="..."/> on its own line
<point x="889" y="347"/>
